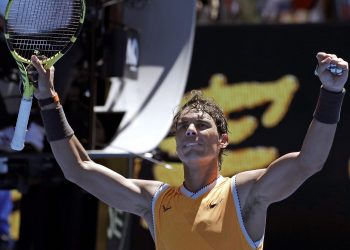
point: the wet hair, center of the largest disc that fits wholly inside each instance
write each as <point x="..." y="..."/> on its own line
<point x="196" y="101"/>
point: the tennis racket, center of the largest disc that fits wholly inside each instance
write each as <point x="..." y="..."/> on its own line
<point x="46" y="28"/>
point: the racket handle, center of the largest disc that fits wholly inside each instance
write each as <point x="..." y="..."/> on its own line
<point x="19" y="136"/>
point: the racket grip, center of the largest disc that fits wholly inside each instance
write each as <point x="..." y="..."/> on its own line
<point x="19" y="136"/>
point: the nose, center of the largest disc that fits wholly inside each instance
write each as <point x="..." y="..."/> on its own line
<point x="191" y="130"/>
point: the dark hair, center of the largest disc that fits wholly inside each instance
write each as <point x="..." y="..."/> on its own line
<point x="198" y="102"/>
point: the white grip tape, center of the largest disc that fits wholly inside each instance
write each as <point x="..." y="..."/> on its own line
<point x="18" y="139"/>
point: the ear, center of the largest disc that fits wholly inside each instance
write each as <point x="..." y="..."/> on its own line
<point x="223" y="141"/>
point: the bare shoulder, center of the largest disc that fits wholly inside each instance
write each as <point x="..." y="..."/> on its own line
<point x="249" y="177"/>
<point x="148" y="187"/>
<point x="245" y="182"/>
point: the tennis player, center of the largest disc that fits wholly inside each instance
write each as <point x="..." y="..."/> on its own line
<point x="208" y="211"/>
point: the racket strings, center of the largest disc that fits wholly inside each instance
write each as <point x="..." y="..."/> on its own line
<point x="46" y="26"/>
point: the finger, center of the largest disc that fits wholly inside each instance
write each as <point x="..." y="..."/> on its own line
<point x="320" y="56"/>
<point x="340" y="63"/>
<point x="343" y="64"/>
<point x="322" y="65"/>
<point x="33" y="75"/>
<point x="37" y="64"/>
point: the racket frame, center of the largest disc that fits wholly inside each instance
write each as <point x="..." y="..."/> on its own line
<point x="28" y="88"/>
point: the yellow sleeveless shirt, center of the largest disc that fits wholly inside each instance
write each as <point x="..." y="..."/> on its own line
<point x="210" y="219"/>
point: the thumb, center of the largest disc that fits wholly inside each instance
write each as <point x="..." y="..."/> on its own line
<point x="37" y="64"/>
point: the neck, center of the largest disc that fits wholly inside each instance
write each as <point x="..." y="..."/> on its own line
<point x="198" y="177"/>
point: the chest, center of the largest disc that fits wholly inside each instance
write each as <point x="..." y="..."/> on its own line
<point x="207" y="214"/>
<point x="211" y="221"/>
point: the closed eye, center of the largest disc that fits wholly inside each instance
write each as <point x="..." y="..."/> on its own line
<point x="181" y="126"/>
<point x="203" y="125"/>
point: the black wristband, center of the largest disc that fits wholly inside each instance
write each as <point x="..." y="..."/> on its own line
<point x="48" y="101"/>
<point x="329" y="106"/>
<point x="56" y="124"/>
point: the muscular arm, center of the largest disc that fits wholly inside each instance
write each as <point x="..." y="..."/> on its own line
<point x="259" y="188"/>
<point x="128" y="195"/>
<point x="287" y="173"/>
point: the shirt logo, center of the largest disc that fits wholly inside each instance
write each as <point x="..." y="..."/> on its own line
<point x="166" y="208"/>
<point x="214" y="204"/>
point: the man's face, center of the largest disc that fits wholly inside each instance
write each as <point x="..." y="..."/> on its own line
<point x="197" y="138"/>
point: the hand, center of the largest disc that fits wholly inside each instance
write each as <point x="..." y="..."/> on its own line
<point x="45" y="87"/>
<point x="331" y="82"/>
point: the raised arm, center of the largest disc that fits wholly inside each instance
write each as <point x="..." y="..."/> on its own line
<point x="129" y="195"/>
<point x="259" y="188"/>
